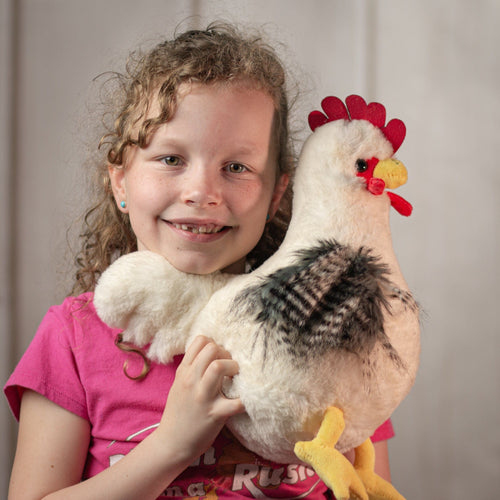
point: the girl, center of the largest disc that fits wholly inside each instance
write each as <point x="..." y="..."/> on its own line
<point x="197" y="169"/>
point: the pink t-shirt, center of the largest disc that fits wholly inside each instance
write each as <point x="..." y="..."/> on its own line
<point x="74" y="362"/>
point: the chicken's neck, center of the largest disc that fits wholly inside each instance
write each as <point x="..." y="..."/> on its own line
<point x="357" y="218"/>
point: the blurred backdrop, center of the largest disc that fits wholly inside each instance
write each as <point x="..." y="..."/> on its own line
<point x="433" y="64"/>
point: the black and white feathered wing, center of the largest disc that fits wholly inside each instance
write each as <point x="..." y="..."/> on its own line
<point x="332" y="298"/>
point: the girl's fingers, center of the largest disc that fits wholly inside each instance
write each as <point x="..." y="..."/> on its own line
<point x="206" y="344"/>
<point x="208" y="353"/>
<point x="208" y="363"/>
<point x="215" y="374"/>
<point x="230" y="407"/>
<point x="194" y="349"/>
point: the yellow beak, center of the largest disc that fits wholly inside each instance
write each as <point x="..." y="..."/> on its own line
<point x="392" y="172"/>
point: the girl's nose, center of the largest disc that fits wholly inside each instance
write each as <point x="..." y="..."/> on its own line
<point x="201" y="187"/>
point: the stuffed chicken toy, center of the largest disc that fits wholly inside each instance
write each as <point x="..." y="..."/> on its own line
<point x="325" y="332"/>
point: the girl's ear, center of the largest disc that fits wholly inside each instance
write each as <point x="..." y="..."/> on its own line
<point x="117" y="178"/>
<point x="279" y="191"/>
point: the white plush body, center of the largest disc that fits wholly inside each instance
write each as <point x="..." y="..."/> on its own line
<point x="284" y="402"/>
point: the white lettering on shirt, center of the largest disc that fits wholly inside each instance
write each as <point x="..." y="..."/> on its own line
<point x="243" y="475"/>
<point x="196" y="490"/>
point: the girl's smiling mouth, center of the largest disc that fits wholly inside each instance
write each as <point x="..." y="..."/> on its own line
<point x="199" y="228"/>
<point x="202" y="232"/>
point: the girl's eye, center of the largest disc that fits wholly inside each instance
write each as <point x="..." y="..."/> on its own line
<point x="171" y="161"/>
<point x="236" y="168"/>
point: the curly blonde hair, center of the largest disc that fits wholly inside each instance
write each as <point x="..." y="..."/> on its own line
<point x="217" y="54"/>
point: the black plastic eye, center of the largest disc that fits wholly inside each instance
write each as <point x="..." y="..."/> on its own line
<point x="361" y="166"/>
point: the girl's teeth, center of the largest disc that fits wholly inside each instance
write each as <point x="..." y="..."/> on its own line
<point x="198" y="229"/>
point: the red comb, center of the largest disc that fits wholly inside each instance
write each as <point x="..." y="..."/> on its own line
<point x="356" y="108"/>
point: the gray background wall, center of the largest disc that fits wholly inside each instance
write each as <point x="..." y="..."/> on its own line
<point x="433" y="64"/>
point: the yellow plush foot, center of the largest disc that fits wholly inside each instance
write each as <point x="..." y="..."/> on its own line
<point x="330" y="465"/>
<point x="364" y="463"/>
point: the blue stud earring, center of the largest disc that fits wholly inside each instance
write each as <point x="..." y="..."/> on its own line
<point x="123" y="204"/>
<point x="267" y="218"/>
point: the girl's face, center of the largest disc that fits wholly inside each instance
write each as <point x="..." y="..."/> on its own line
<point x="200" y="193"/>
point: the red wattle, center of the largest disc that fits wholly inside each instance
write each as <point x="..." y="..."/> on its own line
<point x="400" y="204"/>
<point x="376" y="186"/>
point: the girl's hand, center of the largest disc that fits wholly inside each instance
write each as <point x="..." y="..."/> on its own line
<point x="196" y="409"/>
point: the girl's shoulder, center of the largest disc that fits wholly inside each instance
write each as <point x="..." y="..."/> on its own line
<point x="75" y="318"/>
<point x="74" y="326"/>
<point x="68" y="344"/>
<point x="76" y="307"/>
